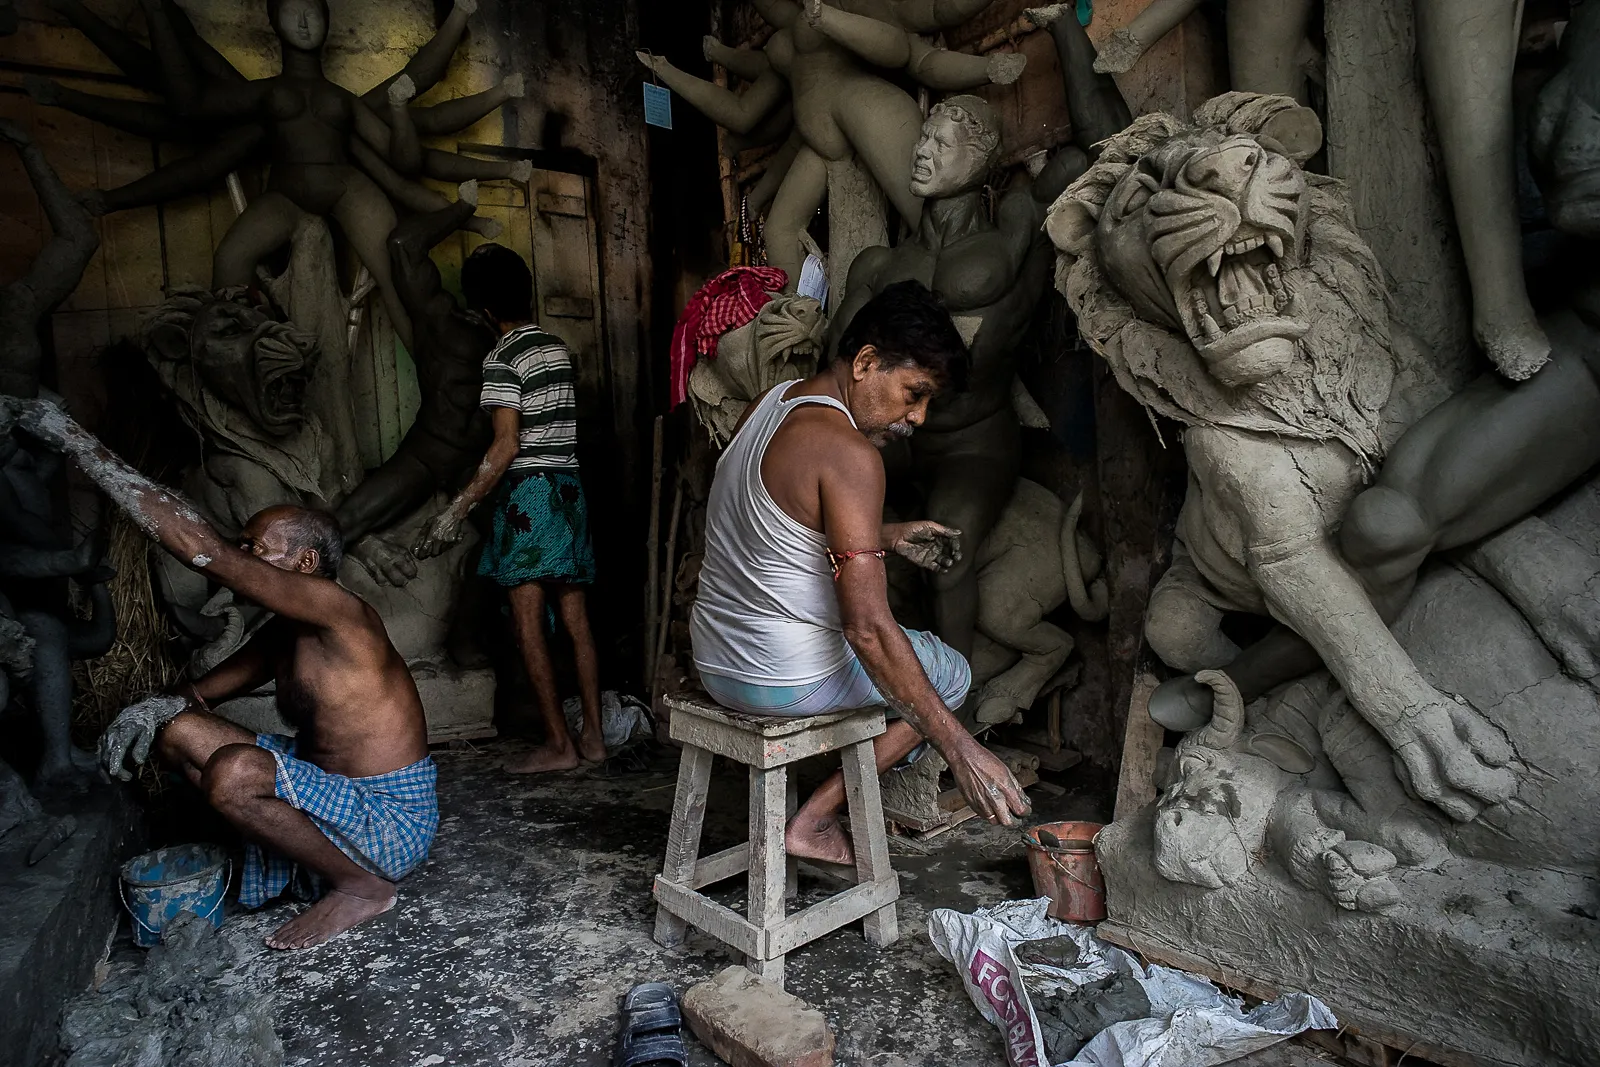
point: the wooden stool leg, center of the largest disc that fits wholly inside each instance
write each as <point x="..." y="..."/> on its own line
<point x="869" y="837"/>
<point x="683" y="836"/>
<point x="791" y="804"/>
<point x="768" y="860"/>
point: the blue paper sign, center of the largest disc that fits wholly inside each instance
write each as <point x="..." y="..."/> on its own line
<point x="658" y="106"/>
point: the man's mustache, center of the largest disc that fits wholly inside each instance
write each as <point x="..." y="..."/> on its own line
<point x="900" y="429"/>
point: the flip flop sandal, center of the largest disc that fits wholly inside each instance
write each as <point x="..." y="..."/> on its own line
<point x="651" y="1032"/>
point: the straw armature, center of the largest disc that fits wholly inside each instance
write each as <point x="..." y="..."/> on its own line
<point x="141" y="661"/>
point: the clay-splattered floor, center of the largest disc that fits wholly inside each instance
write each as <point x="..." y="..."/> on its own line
<point x="513" y="943"/>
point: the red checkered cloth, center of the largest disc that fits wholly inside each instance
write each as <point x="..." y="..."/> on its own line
<point x="725" y="303"/>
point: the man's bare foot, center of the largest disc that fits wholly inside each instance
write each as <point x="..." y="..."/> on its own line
<point x="592" y="747"/>
<point x="544" y="759"/>
<point x="328" y="918"/>
<point x="819" y="839"/>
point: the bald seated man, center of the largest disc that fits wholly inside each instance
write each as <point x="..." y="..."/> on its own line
<point x="350" y="798"/>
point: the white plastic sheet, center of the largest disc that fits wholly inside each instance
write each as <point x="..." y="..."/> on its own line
<point x="621" y="718"/>
<point x="1192" y="1022"/>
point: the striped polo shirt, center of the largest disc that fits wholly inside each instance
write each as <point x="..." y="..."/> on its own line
<point x="531" y="370"/>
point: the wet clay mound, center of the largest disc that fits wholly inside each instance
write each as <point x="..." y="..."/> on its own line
<point x="185" y="1004"/>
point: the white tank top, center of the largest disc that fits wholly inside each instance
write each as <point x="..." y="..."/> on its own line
<point x="766" y="611"/>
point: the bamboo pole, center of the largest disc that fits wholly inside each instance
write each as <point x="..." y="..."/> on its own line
<point x="652" y="553"/>
<point x="665" y="618"/>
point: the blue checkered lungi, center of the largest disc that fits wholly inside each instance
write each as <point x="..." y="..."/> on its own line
<point x="385" y="823"/>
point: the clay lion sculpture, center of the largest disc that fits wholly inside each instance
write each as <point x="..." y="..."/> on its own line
<point x="1228" y="290"/>
<point x="1033" y="561"/>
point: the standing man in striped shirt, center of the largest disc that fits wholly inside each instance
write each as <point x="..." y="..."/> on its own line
<point x="540" y="551"/>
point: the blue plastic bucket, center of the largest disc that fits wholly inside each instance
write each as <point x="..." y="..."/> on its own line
<point x="158" y="885"/>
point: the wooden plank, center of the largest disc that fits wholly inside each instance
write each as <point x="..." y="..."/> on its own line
<point x="754" y="749"/>
<point x="870" y="838"/>
<point x="1159" y="950"/>
<point x="699" y="704"/>
<point x="952" y="800"/>
<point x="1136" y="782"/>
<point x="721" y="865"/>
<point x="1055" y="762"/>
<point x="955" y="820"/>
<point x="683" y="836"/>
<point x="824" y="917"/>
<point x="703" y="913"/>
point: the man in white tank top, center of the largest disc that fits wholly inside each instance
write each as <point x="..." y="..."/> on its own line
<point x="792" y="616"/>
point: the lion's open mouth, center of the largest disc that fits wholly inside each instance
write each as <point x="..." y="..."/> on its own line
<point x="1241" y="314"/>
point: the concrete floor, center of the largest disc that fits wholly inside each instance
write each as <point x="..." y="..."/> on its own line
<point x="513" y="943"/>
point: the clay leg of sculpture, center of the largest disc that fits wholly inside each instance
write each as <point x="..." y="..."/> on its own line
<point x="261" y="229"/>
<point x="1265" y="39"/>
<point x="1476" y="463"/>
<point x="1184" y="622"/>
<point x="1353" y="874"/>
<point x="51" y="689"/>
<point x="884" y="124"/>
<point x="967" y="494"/>
<point x="799" y="195"/>
<point x="1533" y="564"/>
<point x="367" y="218"/>
<point x="1468" y="50"/>
<point x="1044" y="647"/>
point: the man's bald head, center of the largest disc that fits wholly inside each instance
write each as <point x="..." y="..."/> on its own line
<point x="295" y="539"/>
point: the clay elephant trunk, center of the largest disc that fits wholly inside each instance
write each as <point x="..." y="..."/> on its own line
<point x="1090" y="606"/>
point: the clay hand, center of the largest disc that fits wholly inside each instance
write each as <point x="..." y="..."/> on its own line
<point x="1448" y="753"/>
<point x="387" y="562"/>
<point x="812" y="10"/>
<point x="928" y="544"/>
<point x="467" y="7"/>
<point x="444" y="532"/>
<point x="134" y="731"/>
<point x="515" y="86"/>
<point x="988" y="784"/>
<point x="656" y="63"/>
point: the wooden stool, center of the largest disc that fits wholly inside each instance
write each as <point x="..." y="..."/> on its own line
<point x="767" y="745"/>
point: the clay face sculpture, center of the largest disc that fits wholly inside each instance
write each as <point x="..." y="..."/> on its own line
<point x="248" y="359"/>
<point x="958" y="146"/>
<point x="1198" y="236"/>
<point x="301" y="24"/>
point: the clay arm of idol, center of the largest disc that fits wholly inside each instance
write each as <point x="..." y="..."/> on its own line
<point x="432" y="59"/>
<point x="879" y="43"/>
<point x="132" y="116"/>
<point x="1446" y="750"/>
<point x="852" y="487"/>
<point x="191" y="174"/>
<point x="453" y="115"/>
<point x="1128" y="43"/>
<point x="739" y="112"/>
<point x="931" y="16"/>
<point x="446" y="528"/>
<point x="747" y="63"/>
<point x="779" y="14"/>
<point x="166" y="517"/>
<point x="189" y="92"/>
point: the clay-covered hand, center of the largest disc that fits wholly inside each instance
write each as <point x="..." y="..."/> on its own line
<point x="927" y="544"/>
<point x="467" y="7"/>
<point x="387" y="562"/>
<point x="442" y="533"/>
<point x="987" y="783"/>
<point x="515" y="86"/>
<point x="1446" y="752"/>
<point x="655" y="63"/>
<point x="134" y="731"/>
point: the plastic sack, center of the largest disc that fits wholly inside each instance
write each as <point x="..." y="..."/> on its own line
<point x="1192" y="1023"/>
<point x="622" y="719"/>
